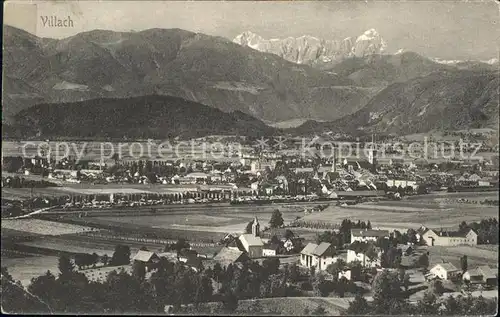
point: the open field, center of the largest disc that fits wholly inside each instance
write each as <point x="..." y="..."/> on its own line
<point x="223" y="220"/>
<point x="26" y="268"/>
<point x="401" y="215"/>
<point x="219" y="223"/>
<point x="476" y="255"/>
<point x="42" y="227"/>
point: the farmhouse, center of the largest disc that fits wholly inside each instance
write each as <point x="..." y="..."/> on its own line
<point x="319" y="256"/>
<point x="444" y="271"/>
<point x="147" y="257"/>
<point x="481" y="275"/>
<point x="228" y="256"/>
<point x="364" y="258"/>
<point x="363" y="235"/>
<point x="449" y="238"/>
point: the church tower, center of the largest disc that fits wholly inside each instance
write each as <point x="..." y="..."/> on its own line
<point x="256" y="227"/>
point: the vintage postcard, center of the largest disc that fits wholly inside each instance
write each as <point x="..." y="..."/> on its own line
<point x="250" y="157"/>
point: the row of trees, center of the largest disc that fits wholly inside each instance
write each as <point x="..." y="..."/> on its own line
<point x="487" y="230"/>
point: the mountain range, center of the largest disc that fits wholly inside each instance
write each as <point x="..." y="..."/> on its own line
<point x="340" y="82"/>
<point x="314" y="51"/>
<point x="210" y="70"/>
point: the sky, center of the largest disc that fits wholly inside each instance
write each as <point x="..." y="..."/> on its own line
<point x="444" y="29"/>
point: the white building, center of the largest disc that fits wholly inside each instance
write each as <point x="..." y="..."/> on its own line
<point x="364" y="235"/>
<point x="353" y="256"/>
<point x="319" y="256"/>
<point x="346" y="274"/>
<point x="449" y="238"/>
<point x="270" y="250"/>
<point x="444" y="271"/>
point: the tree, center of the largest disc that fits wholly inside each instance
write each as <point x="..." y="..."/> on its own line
<point x="16" y="300"/>
<point x="105" y="259"/>
<point x="248" y="228"/>
<point x="463" y="263"/>
<point x="271" y="266"/>
<point x="180" y="245"/>
<point x="423" y="261"/>
<point x="387" y="294"/>
<point x="121" y="255"/>
<point x="359" y="306"/>
<point x="436" y="287"/>
<point x="428" y="305"/>
<point x="218" y="273"/>
<point x="94" y="258"/>
<point x="276" y="219"/>
<point x="406" y="281"/>
<point x="336" y="267"/>
<point x="275" y="240"/>
<point x="294" y="273"/>
<point x="65" y="265"/>
<point x="139" y="270"/>
<point x="320" y="286"/>
<point x="289" y="234"/>
<point x="229" y="301"/>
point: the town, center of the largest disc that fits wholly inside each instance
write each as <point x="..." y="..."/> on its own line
<point x="338" y="228"/>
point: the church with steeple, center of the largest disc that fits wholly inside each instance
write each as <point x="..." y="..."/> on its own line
<point x="256" y="227"/>
<point x="251" y="242"/>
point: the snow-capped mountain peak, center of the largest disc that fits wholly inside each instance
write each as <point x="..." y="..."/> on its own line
<point x="308" y="49"/>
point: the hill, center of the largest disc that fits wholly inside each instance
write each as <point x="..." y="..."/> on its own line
<point x="383" y="70"/>
<point x="454" y="100"/>
<point x="206" y="69"/>
<point x="144" y="117"/>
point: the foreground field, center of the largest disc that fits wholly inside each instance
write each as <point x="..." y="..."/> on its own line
<point x="432" y="212"/>
<point x="292" y="306"/>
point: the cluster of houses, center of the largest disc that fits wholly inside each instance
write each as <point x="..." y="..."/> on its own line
<point x="322" y="255"/>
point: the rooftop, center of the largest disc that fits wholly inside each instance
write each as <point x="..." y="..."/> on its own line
<point x="309" y="249"/>
<point x="252" y="240"/>
<point x="369" y="233"/>
<point x="227" y="255"/>
<point x="321" y="248"/>
<point x="448" y="266"/>
<point x="145" y="256"/>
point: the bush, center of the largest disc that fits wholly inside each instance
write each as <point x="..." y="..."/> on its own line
<point x="306" y="286"/>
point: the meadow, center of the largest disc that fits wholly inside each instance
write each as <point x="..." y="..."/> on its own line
<point x="412" y="213"/>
